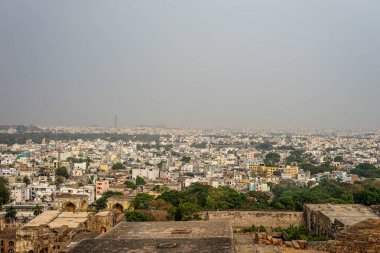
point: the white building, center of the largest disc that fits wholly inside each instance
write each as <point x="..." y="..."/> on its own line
<point x="88" y="190"/>
<point x="149" y="173"/>
<point x="9" y="172"/>
<point x="41" y="192"/>
<point x="19" y="193"/>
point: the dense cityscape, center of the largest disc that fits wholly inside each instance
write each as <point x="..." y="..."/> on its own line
<point x="164" y="174"/>
<point x="198" y="126"/>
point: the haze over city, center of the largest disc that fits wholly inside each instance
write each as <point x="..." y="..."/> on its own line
<point x="242" y="64"/>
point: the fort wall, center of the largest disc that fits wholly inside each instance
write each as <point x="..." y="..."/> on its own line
<point x="242" y="219"/>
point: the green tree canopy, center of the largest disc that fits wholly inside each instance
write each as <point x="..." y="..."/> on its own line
<point x="272" y="159"/>
<point x="142" y="201"/>
<point x="140" y="181"/>
<point x="37" y="210"/>
<point x="118" y="166"/>
<point x="26" y="180"/>
<point x="130" y="185"/>
<point x="11" y="213"/>
<point x="366" y="170"/>
<point x="186" y="159"/>
<point x="62" y="172"/>
<point x="184" y="212"/>
<point x="135" y="215"/>
<point x="4" y="192"/>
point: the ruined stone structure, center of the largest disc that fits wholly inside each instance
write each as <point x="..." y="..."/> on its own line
<point x="70" y="203"/>
<point x="176" y="236"/>
<point x="53" y="231"/>
<point x="327" y="220"/>
<point x="243" y="219"/>
<point x="7" y="241"/>
<point x="364" y="236"/>
<point x="118" y="203"/>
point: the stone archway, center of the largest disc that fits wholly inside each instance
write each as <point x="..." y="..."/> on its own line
<point x="117" y="208"/>
<point x="84" y="206"/>
<point x="69" y="207"/>
<point x="103" y="230"/>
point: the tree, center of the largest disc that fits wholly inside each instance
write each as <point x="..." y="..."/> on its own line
<point x="173" y="197"/>
<point x="197" y="193"/>
<point x="224" y="198"/>
<point x="4" y="192"/>
<point x="118" y="166"/>
<point x="186" y="159"/>
<point x="338" y="159"/>
<point x="37" y="210"/>
<point x="140" y="181"/>
<point x="26" y="180"/>
<point x="160" y="164"/>
<point x="62" y="171"/>
<point x="142" y="201"/>
<point x="366" y="170"/>
<point x="160" y="204"/>
<point x="11" y="213"/>
<point x="100" y="204"/>
<point x="136" y="216"/>
<point x="130" y="185"/>
<point x="258" y="200"/>
<point x="369" y="196"/>
<point x="296" y="156"/>
<point x="272" y="159"/>
<point x="185" y="212"/>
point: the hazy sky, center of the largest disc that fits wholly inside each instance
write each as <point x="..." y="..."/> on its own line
<point x="191" y="63"/>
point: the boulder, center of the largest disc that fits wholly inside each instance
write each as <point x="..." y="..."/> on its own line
<point x="288" y="244"/>
<point x="295" y="244"/>
<point x="302" y="244"/>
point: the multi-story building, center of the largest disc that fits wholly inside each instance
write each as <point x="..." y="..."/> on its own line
<point x="101" y="187"/>
<point x="19" y="193"/>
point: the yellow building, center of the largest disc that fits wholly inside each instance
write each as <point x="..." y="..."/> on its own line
<point x="254" y="164"/>
<point x="292" y="170"/>
<point x="104" y="166"/>
<point x="270" y="170"/>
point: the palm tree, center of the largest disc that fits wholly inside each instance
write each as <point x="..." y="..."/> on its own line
<point x="37" y="210"/>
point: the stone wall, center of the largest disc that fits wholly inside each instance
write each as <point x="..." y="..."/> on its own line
<point x="242" y="219"/>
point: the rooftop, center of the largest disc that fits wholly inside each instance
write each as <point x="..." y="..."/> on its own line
<point x="347" y="214"/>
<point x="57" y="219"/>
<point x="190" y="236"/>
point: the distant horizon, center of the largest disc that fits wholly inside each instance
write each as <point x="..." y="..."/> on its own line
<point x="158" y="126"/>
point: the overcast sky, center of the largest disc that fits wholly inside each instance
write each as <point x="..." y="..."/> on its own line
<point x="245" y="64"/>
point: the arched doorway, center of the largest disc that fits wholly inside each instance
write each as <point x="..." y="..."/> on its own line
<point x="84" y="206"/>
<point x="69" y="207"/>
<point x="103" y="230"/>
<point x="117" y="208"/>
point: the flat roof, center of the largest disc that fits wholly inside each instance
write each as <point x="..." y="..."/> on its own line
<point x="177" y="229"/>
<point x="57" y="219"/>
<point x="347" y="214"/>
<point x="162" y="237"/>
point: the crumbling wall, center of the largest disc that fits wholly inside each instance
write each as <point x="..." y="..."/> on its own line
<point x="242" y="219"/>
